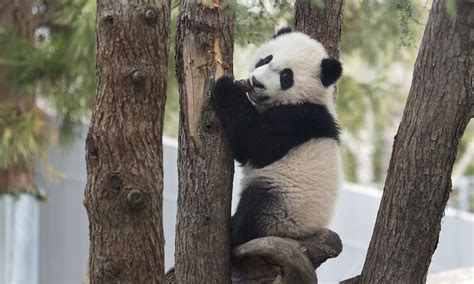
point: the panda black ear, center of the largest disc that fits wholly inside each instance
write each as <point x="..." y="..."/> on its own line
<point x="282" y="31"/>
<point x="331" y="71"/>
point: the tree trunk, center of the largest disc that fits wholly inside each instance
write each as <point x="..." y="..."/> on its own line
<point x="322" y="24"/>
<point x="16" y="15"/>
<point x="204" y="49"/>
<point x="123" y="194"/>
<point x="17" y="178"/>
<point x="439" y="106"/>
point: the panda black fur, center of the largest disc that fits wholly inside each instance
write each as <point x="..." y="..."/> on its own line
<point x="286" y="136"/>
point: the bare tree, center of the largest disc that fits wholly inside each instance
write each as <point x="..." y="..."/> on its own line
<point x="204" y="50"/>
<point x="123" y="195"/>
<point x="439" y="106"/>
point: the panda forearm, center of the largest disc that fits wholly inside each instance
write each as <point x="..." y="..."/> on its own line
<point x="237" y="123"/>
<point x="235" y="112"/>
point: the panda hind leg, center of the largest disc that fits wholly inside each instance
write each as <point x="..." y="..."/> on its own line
<point x="252" y="216"/>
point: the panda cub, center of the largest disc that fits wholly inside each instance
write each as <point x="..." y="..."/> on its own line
<point x="284" y="132"/>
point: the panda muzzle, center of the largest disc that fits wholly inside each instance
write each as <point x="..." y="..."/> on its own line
<point x="257" y="84"/>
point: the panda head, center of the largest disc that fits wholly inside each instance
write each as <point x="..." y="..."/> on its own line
<point x="292" y="68"/>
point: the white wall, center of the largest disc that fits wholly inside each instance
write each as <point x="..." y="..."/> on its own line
<point x="18" y="239"/>
<point x="64" y="226"/>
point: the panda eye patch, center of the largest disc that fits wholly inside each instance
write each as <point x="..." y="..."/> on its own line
<point x="264" y="61"/>
<point x="286" y="78"/>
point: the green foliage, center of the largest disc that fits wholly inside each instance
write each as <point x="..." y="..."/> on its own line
<point x="28" y="64"/>
<point x="61" y="68"/>
<point x="23" y="135"/>
<point x="318" y="3"/>
<point x="171" y="120"/>
<point x="72" y="94"/>
<point x="382" y="32"/>
<point x="379" y="47"/>
<point x="406" y="16"/>
<point x="57" y="68"/>
<point x="468" y="136"/>
<point x="451" y="7"/>
<point x="256" y="20"/>
<point x="351" y="102"/>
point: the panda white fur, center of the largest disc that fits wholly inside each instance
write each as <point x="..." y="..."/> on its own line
<point x="286" y="135"/>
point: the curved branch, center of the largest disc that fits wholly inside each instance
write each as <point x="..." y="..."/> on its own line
<point x="285" y="253"/>
<point x="321" y="246"/>
<point x="282" y="260"/>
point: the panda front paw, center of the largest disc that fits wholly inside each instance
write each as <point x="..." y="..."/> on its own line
<point x="226" y="84"/>
<point x="227" y="91"/>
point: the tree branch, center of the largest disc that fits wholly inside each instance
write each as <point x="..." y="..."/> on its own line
<point x="280" y="260"/>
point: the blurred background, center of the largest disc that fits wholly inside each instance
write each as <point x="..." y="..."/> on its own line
<point x="47" y="86"/>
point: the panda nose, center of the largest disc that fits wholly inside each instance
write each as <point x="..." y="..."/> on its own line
<point x="256" y="83"/>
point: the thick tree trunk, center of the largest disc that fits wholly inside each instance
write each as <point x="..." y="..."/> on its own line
<point x="204" y="48"/>
<point x="124" y="188"/>
<point x="323" y="24"/>
<point x="16" y="16"/>
<point x="418" y="184"/>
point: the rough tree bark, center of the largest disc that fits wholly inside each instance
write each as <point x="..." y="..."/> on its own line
<point x="323" y="24"/>
<point x="439" y="106"/>
<point x="204" y="49"/>
<point x="16" y="15"/>
<point x="123" y="194"/>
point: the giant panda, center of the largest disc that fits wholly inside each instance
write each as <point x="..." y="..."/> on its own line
<point x="284" y="133"/>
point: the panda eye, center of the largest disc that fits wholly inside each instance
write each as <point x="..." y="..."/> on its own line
<point x="286" y="78"/>
<point x="264" y="61"/>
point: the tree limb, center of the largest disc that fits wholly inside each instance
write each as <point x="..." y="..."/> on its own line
<point x="282" y="260"/>
<point x="284" y="253"/>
